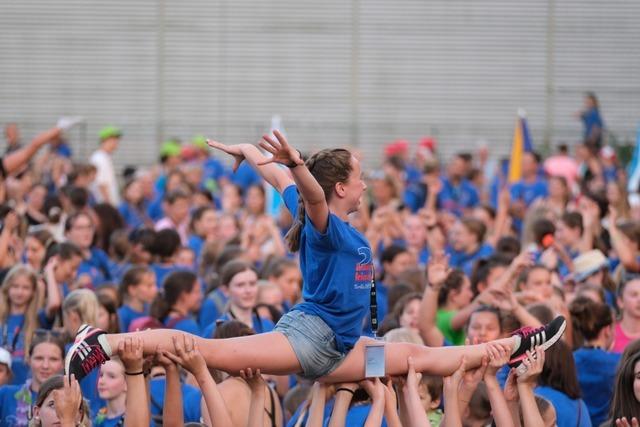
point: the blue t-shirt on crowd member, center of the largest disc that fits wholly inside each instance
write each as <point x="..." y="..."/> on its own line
<point x="126" y="315"/>
<point x="155" y="209"/>
<point x="97" y="267"/>
<point x="303" y="410"/>
<point x="101" y="420"/>
<point x="259" y="324"/>
<point x="162" y="271"/>
<point x="596" y="376"/>
<point x="357" y="415"/>
<point x="569" y="412"/>
<point x="190" y="400"/>
<point x="195" y="243"/>
<point x="456" y="198"/>
<point x="212" y="308"/>
<point x="15" y="404"/>
<point x="185" y="324"/>
<point x="464" y="261"/>
<point x="415" y="195"/>
<point x="527" y="192"/>
<point x="337" y="268"/>
<point x="133" y="216"/>
<point x="245" y="176"/>
<point x="12" y="338"/>
<point x="591" y="118"/>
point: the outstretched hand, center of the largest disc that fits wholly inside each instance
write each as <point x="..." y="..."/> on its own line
<point x="254" y="379"/>
<point x="282" y="152"/>
<point x="233" y="150"/>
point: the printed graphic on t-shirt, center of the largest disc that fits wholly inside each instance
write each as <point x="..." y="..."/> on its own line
<point x="364" y="269"/>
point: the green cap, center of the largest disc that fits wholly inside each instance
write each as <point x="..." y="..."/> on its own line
<point x="200" y="141"/>
<point x="109" y="132"/>
<point x="170" y="149"/>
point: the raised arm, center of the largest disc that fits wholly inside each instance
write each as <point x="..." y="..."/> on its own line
<point x="498" y="356"/>
<point x="189" y="356"/>
<point x="257" y="385"/>
<point x="343" y="396"/>
<point x="437" y="272"/>
<point x="273" y="174"/>
<point x="315" y="203"/>
<point x="136" y="402"/>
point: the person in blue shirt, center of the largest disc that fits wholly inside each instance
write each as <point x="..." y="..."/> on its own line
<point x="467" y="244"/>
<point x="592" y="122"/>
<point x="95" y="268"/>
<point x="179" y="301"/>
<point x="166" y="244"/>
<point x="19" y="316"/>
<point x="596" y="365"/>
<point x="528" y="189"/>
<point x="137" y="291"/>
<point x="204" y="229"/>
<point x="558" y="383"/>
<point x="320" y="337"/>
<point x="133" y="207"/>
<point x="241" y="282"/>
<point x="285" y="273"/>
<point x="394" y="260"/>
<point x="46" y="359"/>
<point x="112" y="388"/>
<point x="55" y="404"/>
<point x="457" y="195"/>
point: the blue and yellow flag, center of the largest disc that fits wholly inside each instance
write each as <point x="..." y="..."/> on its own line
<point x="521" y="144"/>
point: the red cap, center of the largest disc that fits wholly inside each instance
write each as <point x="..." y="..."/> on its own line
<point x="428" y="142"/>
<point x="399" y="146"/>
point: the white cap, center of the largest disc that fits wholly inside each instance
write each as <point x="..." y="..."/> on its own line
<point x="5" y="357"/>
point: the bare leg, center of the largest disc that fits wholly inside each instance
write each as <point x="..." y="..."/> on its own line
<point x="432" y="360"/>
<point x="271" y="352"/>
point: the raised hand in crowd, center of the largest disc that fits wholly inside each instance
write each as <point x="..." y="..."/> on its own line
<point x="257" y="384"/>
<point x="137" y="405"/>
<point x="498" y="357"/>
<point x="67" y="402"/>
<point x="187" y="354"/>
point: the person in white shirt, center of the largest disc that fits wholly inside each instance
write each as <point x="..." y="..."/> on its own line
<point x="106" y="184"/>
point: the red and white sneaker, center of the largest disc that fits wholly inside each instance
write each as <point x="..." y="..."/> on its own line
<point x="530" y="338"/>
<point x="89" y="351"/>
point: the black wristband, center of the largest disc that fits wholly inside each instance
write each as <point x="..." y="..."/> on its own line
<point x="292" y="164"/>
<point x="346" y="389"/>
<point x="131" y="374"/>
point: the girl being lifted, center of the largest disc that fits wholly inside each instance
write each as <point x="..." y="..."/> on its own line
<point x="320" y="337"/>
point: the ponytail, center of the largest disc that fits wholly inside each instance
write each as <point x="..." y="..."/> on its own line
<point x="334" y="165"/>
<point x="293" y="235"/>
<point x="174" y="286"/>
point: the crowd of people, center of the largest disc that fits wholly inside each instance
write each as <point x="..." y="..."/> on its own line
<point x="286" y="263"/>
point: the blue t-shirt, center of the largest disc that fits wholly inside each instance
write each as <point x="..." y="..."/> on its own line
<point x="133" y="216"/>
<point x="102" y="421"/>
<point x="12" y="335"/>
<point x="245" y="176"/>
<point x="190" y="399"/>
<point x="126" y="314"/>
<point x="569" y="412"/>
<point x="259" y="324"/>
<point x="195" y="243"/>
<point x="596" y="375"/>
<point x="185" y="324"/>
<point x="357" y="415"/>
<point x="15" y="404"/>
<point x="162" y="271"/>
<point x="466" y="262"/>
<point x="337" y="269"/>
<point x="212" y="307"/>
<point x="456" y="198"/>
<point x="97" y="266"/>
<point x="529" y="191"/>
<point x="591" y="119"/>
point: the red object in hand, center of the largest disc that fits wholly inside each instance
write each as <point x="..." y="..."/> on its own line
<point x="547" y="240"/>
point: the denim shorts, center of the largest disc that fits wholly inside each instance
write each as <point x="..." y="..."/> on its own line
<point x="313" y="342"/>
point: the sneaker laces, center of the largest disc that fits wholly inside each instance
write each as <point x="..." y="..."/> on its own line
<point x="527" y="331"/>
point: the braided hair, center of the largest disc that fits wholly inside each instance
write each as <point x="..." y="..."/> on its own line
<point x="328" y="167"/>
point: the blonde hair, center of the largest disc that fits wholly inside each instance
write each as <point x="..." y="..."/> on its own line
<point x="31" y="314"/>
<point x="83" y="302"/>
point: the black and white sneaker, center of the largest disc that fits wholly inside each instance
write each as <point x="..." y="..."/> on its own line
<point x="530" y="338"/>
<point x="89" y="351"/>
